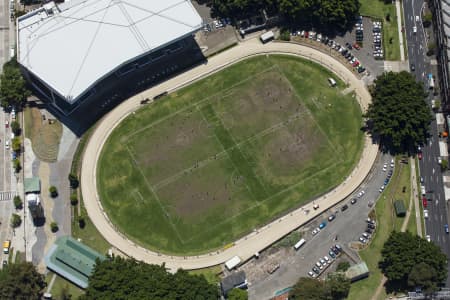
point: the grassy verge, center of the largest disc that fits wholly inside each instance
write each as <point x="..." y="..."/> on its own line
<point x="61" y="287"/>
<point x="89" y="233"/>
<point x="211" y="274"/>
<point x="386" y="221"/>
<point x="379" y="10"/>
<point x="45" y="136"/>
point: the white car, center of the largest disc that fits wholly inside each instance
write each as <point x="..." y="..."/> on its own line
<point x="326" y="258"/>
<point x="417" y="19"/>
<point x="316" y="231"/>
<point x="7" y="144"/>
<point x="439" y="160"/>
<point x="381" y="189"/>
<point x="425" y="213"/>
<point x="323" y="262"/>
<point x="392" y="163"/>
<point x="360" y="194"/>
<point x="312" y="274"/>
<point x="366" y="235"/>
<point x="428" y="238"/>
<point x="362" y="240"/>
<point x="414" y="29"/>
<point x="319" y="265"/>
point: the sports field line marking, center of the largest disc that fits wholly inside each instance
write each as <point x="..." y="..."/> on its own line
<point x="207" y="161"/>
<point x="155" y="195"/>
<point x="212" y="227"/>
<point x="337" y="148"/>
<point x="206" y="99"/>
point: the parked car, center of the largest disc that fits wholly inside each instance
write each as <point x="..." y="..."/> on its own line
<point x="446" y="228"/>
<point x="362" y="240"/>
<point x="366" y="235"/>
<point x="332" y="254"/>
<point x="356" y="46"/>
<point x="319" y="265"/>
<point x="424" y="202"/>
<point x="332" y="217"/>
<point x="353" y="201"/>
<point x="419" y="155"/>
<point x="343" y="208"/>
<point x="428" y="237"/>
<point x="312" y="274"/>
<point x="322" y="225"/>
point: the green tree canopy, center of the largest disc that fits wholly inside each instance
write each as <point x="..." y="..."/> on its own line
<point x="13" y="89"/>
<point x="237" y="294"/>
<point x="425" y="276"/>
<point x="308" y="289"/>
<point x="121" y="278"/>
<point x="337" y="286"/>
<point x="398" y="114"/>
<point x="21" y="281"/>
<point x="404" y="252"/>
<point x="15" y="127"/>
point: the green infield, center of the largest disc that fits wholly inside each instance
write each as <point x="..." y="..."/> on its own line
<point x="205" y="165"/>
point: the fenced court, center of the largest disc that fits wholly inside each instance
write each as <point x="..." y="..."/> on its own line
<point x="209" y="163"/>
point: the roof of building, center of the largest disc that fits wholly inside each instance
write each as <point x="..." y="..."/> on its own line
<point x="72" y="45"/>
<point x="72" y="260"/>
<point x="399" y="207"/>
<point x="358" y="271"/>
<point x="32" y="185"/>
<point x="234" y="280"/>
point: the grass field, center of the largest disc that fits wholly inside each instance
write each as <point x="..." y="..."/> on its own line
<point x="196" y="171"/>
<point x="378" y="9"/>
<point x="62" y="288"/>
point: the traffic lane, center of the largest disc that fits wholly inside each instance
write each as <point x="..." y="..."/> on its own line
<point x="347" y="226"/>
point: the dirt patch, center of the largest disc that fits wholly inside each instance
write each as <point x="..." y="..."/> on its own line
<point x="45" y="134"/>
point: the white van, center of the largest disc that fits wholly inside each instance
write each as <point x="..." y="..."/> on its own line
<point x="331" y="81"/>
<point x="299" y="244"/>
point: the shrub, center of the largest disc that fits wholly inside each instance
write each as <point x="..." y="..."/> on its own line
<point x="15" y="220"/>
<point x="73" y="199"/>
<point x="285" y="35"/>
<point x="15" y="127"/>
<point x="53" y="191"/>
<point x="81" y="222"/>
<point x="54" y="227"/>
<point x="73" y="179"/>
<point x="17" y="202"/>
<point x="343" y="266"/>
<point x="17" y="165"/>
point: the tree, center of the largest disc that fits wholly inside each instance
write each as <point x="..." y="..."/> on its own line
<point x="424" y="276"/>
<point x="15" y="220"/>
<point x="398" y="114"/>
<point x="427" y="19"/>
<point x="431" y="48"/>
<point x="121" y="278"/>
<point x="307" y="289"/>
<point x="17" y="202"/>
<point x="54" y="227"/>
<point x="16" y="144"/>
<point x="73" y="179"/>
<point x="53" y="191"/>
<point x="444" y="165"/>
<point x="21" y="281"/>
<point x="337" y="286"/>
<point x="17" y="165"/>
<point x="74" y="199"/>
<point x="13" y="91"/>
<point x="404" y="251"/>
<point x="237" y="294"/>
<point x="15" y="127"/>
<point x="81" y="222"/>
<point x="343" y="266"/>
<point x="327" y="16"/>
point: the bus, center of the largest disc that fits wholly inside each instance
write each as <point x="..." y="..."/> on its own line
<point x="299" y="244"/>
<point x="430" y="81"/>
<point x="266" y="37"/>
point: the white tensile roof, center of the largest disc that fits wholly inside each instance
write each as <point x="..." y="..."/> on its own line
<point x="72" y="45"/>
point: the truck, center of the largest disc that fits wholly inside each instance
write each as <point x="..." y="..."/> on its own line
<point x="233" y="262"/>
<point x="6" y="245"/>
<point x="430" y="81"/>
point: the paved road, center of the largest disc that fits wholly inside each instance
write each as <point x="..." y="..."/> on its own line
<point x="260" y="238"/>
<point x="348" y="226"/>
<point x="429" y="167"/>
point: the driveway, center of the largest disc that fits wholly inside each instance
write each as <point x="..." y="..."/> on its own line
<point x="260" y="238"/>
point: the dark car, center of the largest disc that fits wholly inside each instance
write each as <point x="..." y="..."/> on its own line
<point x="371" y="226"/>
<point x="446" y="228"/>
<point x="413" y="67"/>
<point x="316" y="270"/>
<point x="343" y="208"/>
<point x="369" y="231"/>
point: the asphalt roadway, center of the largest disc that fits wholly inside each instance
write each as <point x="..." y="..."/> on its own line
<point x="430" y="170"/>
<point x="260" y="238"/>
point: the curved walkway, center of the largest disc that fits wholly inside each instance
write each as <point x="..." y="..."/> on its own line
<point x="260" y="238"/>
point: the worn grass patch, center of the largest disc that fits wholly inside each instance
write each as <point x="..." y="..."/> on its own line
<point x="45" y="137"/>
<point x="231" y="152"/>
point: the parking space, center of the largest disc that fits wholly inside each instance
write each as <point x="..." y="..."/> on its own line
<point x="367" y="47"/>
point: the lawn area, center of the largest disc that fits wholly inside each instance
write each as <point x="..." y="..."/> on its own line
<point x="386" y="222"/>
<point x="209" y="163"/>
<point x="62" y="287"/>
<point x="379" y="10"/>
<point x="211" y="274"/>
<point x="44" y="136"/>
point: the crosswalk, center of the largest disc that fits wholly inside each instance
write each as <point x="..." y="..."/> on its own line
<point x="5" y="196"/>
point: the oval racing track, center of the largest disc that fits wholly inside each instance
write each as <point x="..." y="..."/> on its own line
<point x="259" y="238"/>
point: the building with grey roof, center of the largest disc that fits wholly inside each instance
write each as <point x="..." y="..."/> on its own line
<point x="69" y="51"/>
<point x="72" y="260"/>
<point x="441" y="14"/>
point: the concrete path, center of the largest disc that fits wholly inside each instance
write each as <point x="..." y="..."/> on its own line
<point x="398" y="8"/>
<point x="415" y="196"/>
<point x="260" y="238"/>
